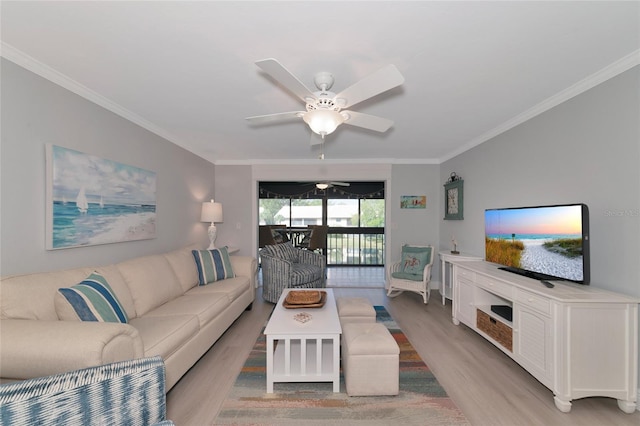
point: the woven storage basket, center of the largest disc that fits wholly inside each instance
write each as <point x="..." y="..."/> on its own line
<point x="497" y="330"/>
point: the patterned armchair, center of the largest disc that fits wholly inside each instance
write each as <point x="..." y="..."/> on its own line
<point x="123" y="393"/>
<point x="284" y="266"/>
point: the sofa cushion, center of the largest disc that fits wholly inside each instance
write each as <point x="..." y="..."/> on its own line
<point x="232" y="288"/>
<point x="31" y="296"/>
<point x="91" y="300"/>
<point x="183" y="265"/>
<point x="205" y="306"/>
<point x="164" y="335"/>
<point x="213" y="265"/>
<point x="151" y="281"/>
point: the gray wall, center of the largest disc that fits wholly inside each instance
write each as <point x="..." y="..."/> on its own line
<point x="36" y="112"/>
<point x="414" y="226"/>
<point x="584" y="150"/>
<point x="233" y="188"/>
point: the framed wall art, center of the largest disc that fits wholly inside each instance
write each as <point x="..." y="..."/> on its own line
<point x="453" y="200"/>
<point x="413" y="201"/>
<point x="92" y="200"/>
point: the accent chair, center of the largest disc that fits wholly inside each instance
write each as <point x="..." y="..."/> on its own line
<point x="285" y="266"/>
<point x="412" y="272"/>
<point x="122" y="393"/>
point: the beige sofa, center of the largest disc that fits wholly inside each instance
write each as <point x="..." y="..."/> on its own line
<point x="169" y="315"/>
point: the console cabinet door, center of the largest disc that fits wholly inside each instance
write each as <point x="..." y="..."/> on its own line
<point x="465" y="308"/>
<point x="532" y="343"/>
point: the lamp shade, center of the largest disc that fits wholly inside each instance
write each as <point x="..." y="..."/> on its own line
<point x="323" y="121"/>
<point x="211" y="212"/>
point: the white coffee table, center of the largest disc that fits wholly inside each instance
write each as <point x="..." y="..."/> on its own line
<point x="305" y="352"/>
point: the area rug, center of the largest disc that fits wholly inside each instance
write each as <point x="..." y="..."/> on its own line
<point x="421" y="401"/>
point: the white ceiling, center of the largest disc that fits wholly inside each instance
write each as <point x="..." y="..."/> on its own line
<point x="186" y="71"/>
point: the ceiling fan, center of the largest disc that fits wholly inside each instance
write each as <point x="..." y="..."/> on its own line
<point x="326" y="185"/>
<point x="325" y="109"/>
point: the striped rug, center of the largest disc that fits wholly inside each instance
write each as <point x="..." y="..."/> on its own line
<point x="422" y="401"/>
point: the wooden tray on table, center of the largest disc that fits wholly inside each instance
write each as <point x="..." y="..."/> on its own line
<point x="297" y="299"/>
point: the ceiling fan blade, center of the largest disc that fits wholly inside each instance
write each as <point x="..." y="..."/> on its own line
<point x="282" y="75"/>
<point x="380" y="81"/>
<point x="269" y="118"/>
<point x="340" y="183"/>
<point x="367" y="121"/>
<point x="316" y="139"/>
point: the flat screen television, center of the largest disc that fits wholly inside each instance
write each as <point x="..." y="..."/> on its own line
<point x="543" y="242"/>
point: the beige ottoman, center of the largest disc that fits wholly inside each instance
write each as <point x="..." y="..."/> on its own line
<point x="370" y="360"/>
<point x="355" y="309"/>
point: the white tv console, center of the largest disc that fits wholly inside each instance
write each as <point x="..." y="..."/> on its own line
<point x="578" y="341"/>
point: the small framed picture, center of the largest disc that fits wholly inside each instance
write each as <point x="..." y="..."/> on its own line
<point x="413" y="201"/>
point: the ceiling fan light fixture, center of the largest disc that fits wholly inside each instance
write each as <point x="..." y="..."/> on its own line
<point x="323" y="121"/>
<point x="322" y="186"/>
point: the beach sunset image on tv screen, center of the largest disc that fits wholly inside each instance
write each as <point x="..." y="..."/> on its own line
<point x="546" y="240"/>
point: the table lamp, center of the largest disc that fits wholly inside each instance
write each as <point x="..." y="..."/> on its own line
<point x="211" y="212"/>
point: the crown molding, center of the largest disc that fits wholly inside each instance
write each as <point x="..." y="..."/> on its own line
<point x="624" y="64"/>
<point x="307" y="161"/>
<point x="20" y="58"/>
<point x="25" y="61"/>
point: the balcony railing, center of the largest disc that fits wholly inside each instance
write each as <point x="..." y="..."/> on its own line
<point x="355" y="246"/>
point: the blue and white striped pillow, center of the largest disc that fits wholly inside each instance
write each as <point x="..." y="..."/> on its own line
<point x="91" y="300"/>
<point x="213" y="265"/>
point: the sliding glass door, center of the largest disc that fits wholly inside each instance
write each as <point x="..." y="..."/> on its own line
<point x="354" y="214"/>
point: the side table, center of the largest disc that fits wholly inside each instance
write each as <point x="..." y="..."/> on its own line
<point x="446" y="257"/>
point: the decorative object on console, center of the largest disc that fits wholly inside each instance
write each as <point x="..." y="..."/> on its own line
<point x="211" y="212"/>
<point x="455" y="246"/>
<point x="453" y="198"/>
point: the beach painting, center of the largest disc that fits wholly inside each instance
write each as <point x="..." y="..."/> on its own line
<point x="92" y="200"/>
<point x="413" y="201"/>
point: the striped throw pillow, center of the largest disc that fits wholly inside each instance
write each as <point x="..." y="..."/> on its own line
<point x="213" y="265"/>
<point x="91" y="300"/>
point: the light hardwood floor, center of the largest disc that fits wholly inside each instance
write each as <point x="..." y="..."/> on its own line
<point x="488" y="386"/>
